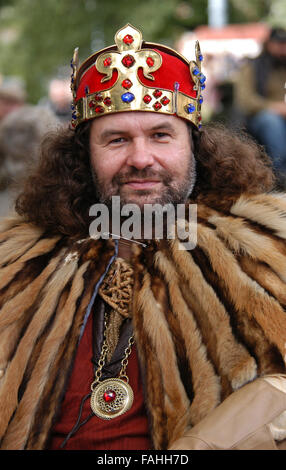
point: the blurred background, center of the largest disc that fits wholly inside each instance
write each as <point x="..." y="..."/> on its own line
<point x="243" y="43"/>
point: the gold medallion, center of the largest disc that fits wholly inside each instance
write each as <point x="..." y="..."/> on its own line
<point x="111" y="398"/>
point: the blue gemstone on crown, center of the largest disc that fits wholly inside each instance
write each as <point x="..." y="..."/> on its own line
<point x="203" y="87"/>
<point x="201" y="57"/>
<point x="190" y="108"/>
<point x="201" y="99"/>
<point x="202" y="78"/>
<point x="127" y="97"/>
<point x="196" y="71"/>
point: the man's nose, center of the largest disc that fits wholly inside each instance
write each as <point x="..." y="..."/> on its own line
<point x="140" y="154"/>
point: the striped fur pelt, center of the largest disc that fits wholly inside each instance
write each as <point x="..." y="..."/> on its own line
<point x="206" y="321"/>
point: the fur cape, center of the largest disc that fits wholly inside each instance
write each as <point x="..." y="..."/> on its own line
<point x="206" y="321"/>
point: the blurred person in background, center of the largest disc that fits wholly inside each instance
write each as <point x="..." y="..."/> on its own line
<point x="21" y="132"/>
<point x="12" y="96"/>
<point x="260" y="96"/>
<point x="59" y="99"/>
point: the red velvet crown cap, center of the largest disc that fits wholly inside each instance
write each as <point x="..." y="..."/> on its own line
<point x="172" y="70"/>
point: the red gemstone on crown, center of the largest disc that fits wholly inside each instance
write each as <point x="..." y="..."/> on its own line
<point x="157" y="106"/>
<point x="127" y="84"/>
<point x="109" y="396"/>
<point x="165" y="100"/>
<point x="99" y="109"/>
<point x="92" y="104"/>
<point x="157" y="93"/>
<point x="147" y="99"/>
<point x="107" y="62"/>
<point x="128" y="61"/>
<point x="107" y="101"/>
<point x="150" y="61"/>
<point x="128" y="39"/>
<point x="98" y="97"/>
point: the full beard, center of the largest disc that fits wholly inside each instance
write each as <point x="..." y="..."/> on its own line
<point x="172" y="191"/>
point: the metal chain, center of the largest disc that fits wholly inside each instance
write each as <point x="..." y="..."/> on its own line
<point x="102" y="359"/>
<point x="101" y="363"/>
<point x="124" y="361"/>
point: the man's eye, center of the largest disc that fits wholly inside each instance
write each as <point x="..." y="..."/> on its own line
<point x="118" y="140"/>
<point x="161" y="135"/>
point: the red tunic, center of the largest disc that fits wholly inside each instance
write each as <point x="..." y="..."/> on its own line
<point x="126" y="432"/>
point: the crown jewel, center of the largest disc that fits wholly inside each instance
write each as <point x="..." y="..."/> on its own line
<point x="134" y="75"/>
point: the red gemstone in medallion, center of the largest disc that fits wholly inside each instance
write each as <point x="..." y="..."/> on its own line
<point x="109" y="396"/>
<point x="107" y="62"/>
<point x="128" y="39"/>
<point x="128" y="61"/>
<point x="147" y="99"/>
<point x="127" y="84"/>
<point x="157" y="93"/>
<point x="157" y="106"/>
<point x="150" y="61"/>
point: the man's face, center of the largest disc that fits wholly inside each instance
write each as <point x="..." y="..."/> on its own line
<point x="142" y="157"/>
<point x="277" y="49"/>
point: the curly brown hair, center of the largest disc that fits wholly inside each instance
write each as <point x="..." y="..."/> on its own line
<point x="229" y="163"/>
<point x="58" y="194"/>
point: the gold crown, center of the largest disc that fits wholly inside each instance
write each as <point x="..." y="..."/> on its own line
<point x="133" y="75"/>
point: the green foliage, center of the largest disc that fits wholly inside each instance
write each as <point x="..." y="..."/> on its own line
<point x="277" y="14"/>
<point x="242" y="11"/>
<point x="48" y="32"/>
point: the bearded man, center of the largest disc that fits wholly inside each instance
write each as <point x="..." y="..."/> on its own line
<point x="108" y="343"/>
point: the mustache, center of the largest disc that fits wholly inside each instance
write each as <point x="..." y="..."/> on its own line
<point x="144" y="174"/>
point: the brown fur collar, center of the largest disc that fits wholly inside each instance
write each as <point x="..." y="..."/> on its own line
<point x="206" y="321"/>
